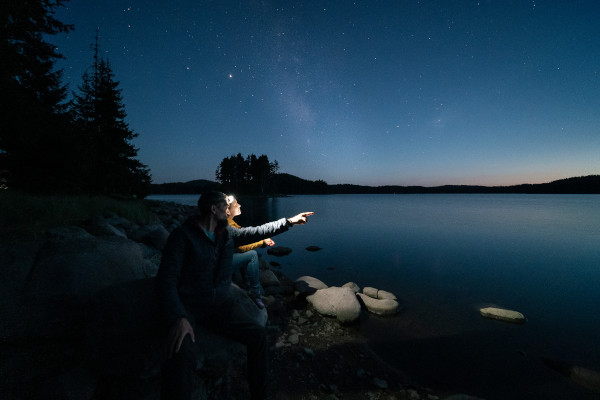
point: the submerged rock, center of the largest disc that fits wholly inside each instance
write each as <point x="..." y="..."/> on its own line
<point x="501" y="314"/>
<point x="279" y="251"/>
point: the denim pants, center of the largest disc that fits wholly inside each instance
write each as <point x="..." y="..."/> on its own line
<point x="247" y="263"/>
<point x="233" y="322"/>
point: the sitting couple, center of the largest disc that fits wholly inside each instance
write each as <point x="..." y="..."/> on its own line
<point x="245" y="257"/>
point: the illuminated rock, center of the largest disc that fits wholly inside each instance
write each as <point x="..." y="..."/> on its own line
<point x="379" y="302"/>
<point x="501" y="314"/>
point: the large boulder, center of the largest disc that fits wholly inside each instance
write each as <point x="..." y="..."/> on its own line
<point x="80" y="266"/>
<point x="355" y="288"/>
<point x="43" y="292"/>
<point x="157" y="237"/>
<point x="100" y="226"/>
<point x="338" y="302"/>
<point x="306" y="285"/>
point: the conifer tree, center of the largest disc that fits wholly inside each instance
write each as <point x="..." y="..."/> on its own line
<point x="34" y="136"/>
<point x="99" y="113"/>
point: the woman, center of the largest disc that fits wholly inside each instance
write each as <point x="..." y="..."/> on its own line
<point x="245" y="258"/>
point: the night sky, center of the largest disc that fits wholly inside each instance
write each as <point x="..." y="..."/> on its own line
<point x="396" y="92"/>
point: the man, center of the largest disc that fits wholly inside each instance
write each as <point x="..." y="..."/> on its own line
<point x="193" y="285"/>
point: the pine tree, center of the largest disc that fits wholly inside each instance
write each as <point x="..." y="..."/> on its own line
<point x="33" y="130"/>
<point x="99" y="113"/>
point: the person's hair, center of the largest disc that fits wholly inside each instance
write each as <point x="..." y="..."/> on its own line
<point x="208" y="199"/>
<point x="230" y="199"/>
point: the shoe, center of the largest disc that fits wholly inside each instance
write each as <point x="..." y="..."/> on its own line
<point x="259" y="303"/>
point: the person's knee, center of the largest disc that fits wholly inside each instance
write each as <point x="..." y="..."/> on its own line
<point x="253" y="256"/>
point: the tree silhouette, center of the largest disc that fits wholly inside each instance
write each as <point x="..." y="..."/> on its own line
<point x="34" y="135"/>
<point x="250" y="175"/>
<point x="99" y="114"/>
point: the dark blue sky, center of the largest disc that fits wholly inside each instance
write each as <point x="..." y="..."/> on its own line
<point x="366" y="92"/>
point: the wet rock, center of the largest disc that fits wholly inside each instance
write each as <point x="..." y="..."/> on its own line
<point x="279" y="251"/>
<point x="313" y="248"/>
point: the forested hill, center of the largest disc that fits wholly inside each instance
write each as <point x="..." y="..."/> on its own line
<point x="290" y="184"/>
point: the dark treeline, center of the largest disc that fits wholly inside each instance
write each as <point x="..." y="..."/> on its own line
<point x="251" y="174"/>
<point x="288" y="184"/>
<point x="49" y="145"/>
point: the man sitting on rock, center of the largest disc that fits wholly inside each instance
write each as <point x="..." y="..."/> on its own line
<point x="193" y="288"/>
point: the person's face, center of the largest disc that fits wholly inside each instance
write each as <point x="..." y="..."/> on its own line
<point x="221" y="211"/>
<point x="235" y="209"/>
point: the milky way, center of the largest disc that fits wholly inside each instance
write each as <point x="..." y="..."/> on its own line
<point x="366" y="92"/>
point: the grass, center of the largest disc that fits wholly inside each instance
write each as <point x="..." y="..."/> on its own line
<point x="29" y="215"/>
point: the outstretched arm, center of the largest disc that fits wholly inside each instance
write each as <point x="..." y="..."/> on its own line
<point x="254" y="233"/>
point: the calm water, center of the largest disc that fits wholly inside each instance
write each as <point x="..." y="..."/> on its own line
<point x="445" y="256"/>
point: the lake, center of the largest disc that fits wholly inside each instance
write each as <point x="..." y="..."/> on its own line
<point x="446" y="256"/>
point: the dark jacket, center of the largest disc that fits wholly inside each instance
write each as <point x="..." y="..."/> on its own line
<point x="194" y="271"/>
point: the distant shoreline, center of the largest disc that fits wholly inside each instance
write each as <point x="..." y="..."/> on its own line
<point x="286" y="184"/>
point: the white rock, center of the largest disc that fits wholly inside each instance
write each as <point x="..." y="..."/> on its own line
<point x="380" y="306"/>
<point x="370" y="291"/>
<point x="379" y="294"/>
<point x="307" y="285"/>
<point x="336" y="302"/>
<point x="355" y="288"/>
<point x="503" y="315"/>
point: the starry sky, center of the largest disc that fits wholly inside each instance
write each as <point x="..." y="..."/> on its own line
<point x="396" y="92"/>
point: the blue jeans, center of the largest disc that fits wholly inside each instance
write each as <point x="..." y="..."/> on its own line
<point x="248" y="264"/>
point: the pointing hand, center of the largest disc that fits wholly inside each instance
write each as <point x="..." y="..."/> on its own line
<point x="300" y="219"/>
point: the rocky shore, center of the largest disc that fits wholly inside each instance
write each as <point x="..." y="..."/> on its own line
<point x="79" y="322"/>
